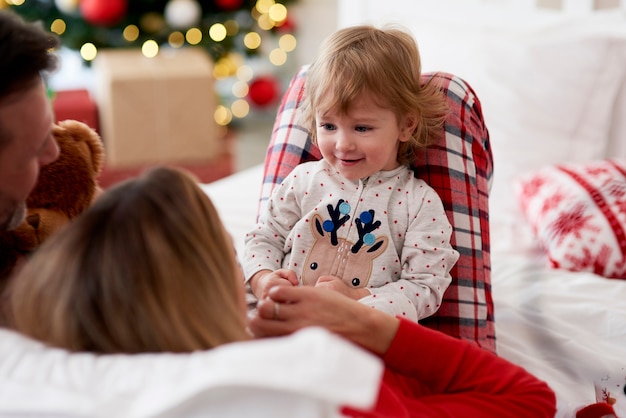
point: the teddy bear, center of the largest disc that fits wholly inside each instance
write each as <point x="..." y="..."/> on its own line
<point x="65" y="188"/>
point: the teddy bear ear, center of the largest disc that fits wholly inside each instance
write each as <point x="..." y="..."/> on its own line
<point x="90" y="137"/>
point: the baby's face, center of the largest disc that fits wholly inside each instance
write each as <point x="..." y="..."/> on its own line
<point x="363" y="140"/>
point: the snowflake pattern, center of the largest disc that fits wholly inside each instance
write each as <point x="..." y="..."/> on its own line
<point x="572" y="222"/>
<point x="578" y="211"/>
<point x="588" y="260"/>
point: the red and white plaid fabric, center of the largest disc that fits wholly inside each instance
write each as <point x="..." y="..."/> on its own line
<point x="459" y="167"/>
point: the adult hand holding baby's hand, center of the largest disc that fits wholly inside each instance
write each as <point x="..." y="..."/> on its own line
<point x="338" y="285"/>
<point x="262" y="281"/>
<point x="288" y="309"/>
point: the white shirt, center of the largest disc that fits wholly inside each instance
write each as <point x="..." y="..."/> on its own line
<point x="387" y="233"/>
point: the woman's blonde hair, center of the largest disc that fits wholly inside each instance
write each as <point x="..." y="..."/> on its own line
<point x="384" y="62"/>
<point x="148" y="268"/>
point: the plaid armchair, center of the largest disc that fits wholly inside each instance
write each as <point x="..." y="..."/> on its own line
<point x="459" y="167"/>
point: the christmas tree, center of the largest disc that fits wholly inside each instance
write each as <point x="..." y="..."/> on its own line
<point x="234" y="32"/>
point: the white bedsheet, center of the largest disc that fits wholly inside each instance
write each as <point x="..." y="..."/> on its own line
<point x="568" y="329"/>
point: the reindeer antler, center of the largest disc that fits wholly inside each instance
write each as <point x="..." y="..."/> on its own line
<point x="335" y="222"/>
<point x="364" y="225"/>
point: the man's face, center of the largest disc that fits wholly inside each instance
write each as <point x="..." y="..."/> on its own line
<point x="26" y="121"/>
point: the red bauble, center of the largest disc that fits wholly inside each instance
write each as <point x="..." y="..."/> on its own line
<point x="103" y="12"/>
<point x="263" y="91"/>
<point x="229" y="4"/>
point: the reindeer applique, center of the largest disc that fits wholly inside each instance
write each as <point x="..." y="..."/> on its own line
<point x="330" y="255"/>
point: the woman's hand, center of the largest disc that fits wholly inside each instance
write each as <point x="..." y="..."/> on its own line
<point x="262" y="281"/>
<point x="288" y="309"/>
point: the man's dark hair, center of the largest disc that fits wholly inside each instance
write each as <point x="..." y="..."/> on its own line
<point x="25" y="52"/>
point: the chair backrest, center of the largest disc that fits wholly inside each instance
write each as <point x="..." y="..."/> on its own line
<point x="459" y="167"/>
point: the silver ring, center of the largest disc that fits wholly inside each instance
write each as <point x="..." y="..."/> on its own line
<point x="276" y="309"/>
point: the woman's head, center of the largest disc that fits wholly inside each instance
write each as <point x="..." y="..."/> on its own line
<point x="382" y="63"/>
<point x="148" y="268"/>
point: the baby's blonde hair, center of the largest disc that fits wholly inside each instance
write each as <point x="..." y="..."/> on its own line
<point x="384" y="62"/>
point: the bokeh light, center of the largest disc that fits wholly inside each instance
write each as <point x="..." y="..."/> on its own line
<point x="287" y="42"/>
<point x="263" y="6"/>
<point x="240" y="108"/>
<point x="245" y="73"/>
<point x="278" y="57"/>
<point x="218" y="32"/>
<point x="150" y="49"/>
<point x="223" y="116"/>
<point x="152" y="22"/>
<point x="277" y="12"/>
<point x="240" y="89"/>
<point x="232" y="27"/>
<point x="88" y="51"/>
<point x="226" y="66"/>
<point x="58" y="26"/>
<point x="194" y="36"/>
<point x="176" y="39"/>
<point x="131" y="33"/>
<point x="252" y="40"/>
<point x="265" y="22"/>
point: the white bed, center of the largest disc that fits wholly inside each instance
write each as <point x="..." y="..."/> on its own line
<point x="553" y="91"/>
<point x="568" y="329"/>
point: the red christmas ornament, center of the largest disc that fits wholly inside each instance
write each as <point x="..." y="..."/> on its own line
<point x="263" y="91"/>
<point x="229" y="4"/>
<point x="103" y="12"/>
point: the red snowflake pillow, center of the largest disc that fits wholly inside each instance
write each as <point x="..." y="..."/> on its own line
<point x="578" y="213"/>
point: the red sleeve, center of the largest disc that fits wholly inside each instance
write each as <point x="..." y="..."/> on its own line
<point x="443" y="376"/>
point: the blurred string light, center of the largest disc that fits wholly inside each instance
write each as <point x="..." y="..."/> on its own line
<point x="240" y="89"/>
<point x="252" y="40"/>
<point x="176" y="39"/>
<point x="267" y="13"/>
<point x="88" y="51"/>
<point x="58" y="26"/>
<point x="245" y="73"/>
<point x="223" y="115"/>
<point x="131" y="33"/>
<point x="193" y="36"/>
<point x="240" y="108"/>
<point x="218" y="32"/>
<point x="150" y="49"/>
<point x="229" y="41"/>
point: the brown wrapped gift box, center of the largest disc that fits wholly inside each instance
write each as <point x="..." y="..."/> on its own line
<point x="155" y="110"/>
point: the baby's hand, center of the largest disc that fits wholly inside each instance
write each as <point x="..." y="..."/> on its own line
<point x="338" y="285"/>
<point x="264" y="280"/>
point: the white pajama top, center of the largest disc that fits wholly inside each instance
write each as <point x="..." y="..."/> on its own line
<point x="387" y="233"/>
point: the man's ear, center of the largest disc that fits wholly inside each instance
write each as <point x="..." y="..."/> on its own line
<point x="407" y="126"/>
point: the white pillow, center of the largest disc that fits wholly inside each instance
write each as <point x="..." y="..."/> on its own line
<point x="549" y="97"/>
<point x="308" y="374"/>
<point x="551" y="94"/>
